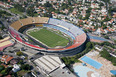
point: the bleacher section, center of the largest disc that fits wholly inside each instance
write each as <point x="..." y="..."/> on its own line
<point x="60" y="29"/>
<point x="18" y="24"/>
<point x="72" y="28"/>
<point x="41" y="19"/>
<point x="26" y="21"/>
<point x="63" y="27"/>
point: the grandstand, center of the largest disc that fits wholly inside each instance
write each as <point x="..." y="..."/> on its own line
<point x="75" y="30"/>
<point x="78" y="36"/>
<point x="18" y="24"/>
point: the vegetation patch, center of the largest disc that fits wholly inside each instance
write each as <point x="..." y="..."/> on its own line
<point x="14" y="10"/>
<point x="105" y="54"/>
<point x="71" y="60"/>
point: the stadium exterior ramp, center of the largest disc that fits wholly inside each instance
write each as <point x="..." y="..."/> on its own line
<point x="79" y="36"/>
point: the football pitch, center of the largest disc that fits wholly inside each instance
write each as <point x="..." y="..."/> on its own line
<point x="49" y="38"/>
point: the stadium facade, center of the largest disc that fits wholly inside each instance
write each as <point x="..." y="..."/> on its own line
<point x="79" y="36"/>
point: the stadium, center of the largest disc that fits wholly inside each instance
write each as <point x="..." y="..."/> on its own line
<point x="48" y="35"/>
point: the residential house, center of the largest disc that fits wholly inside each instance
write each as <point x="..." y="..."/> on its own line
<point x="16" y="68"/>
<point x="6" y="59"/>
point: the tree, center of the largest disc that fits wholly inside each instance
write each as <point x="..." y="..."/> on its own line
<point x="26" y="67"/>
<point x="64" y="6"/>
<point x="19" y="53"/>
<point x="47" y="4"/>
<point x="4" y="0"/>
<point x="4" y="72"/>
<point x="114" y="41"/>
<point x="87" y="16"/>
<point x="89" y="10"/>
<point x="89" y="45"/>
<point x="105" y="54"/>
<point x="113" y="76"/>
<point x="101" y="4"/>
<point x="1" y="67"/>
<point x="48" y="15"/>
<point x="114" y="61"/>
<point x="19" y="7"/>
<point x="1" y="37"/>
<point x="30" y="11"/>
<point x="106" y="37"/>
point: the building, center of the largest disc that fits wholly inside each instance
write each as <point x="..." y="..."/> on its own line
<point x="5" y="5"/>
<point x="76" y="34"/>
<point x="6" y="42"/>
<point x="52" y="66"/>
<point x="99" y="48"/>
<point x="16" y="68"/>
<point x="6" y="59"/>
<point x="50" y="1"/>
<point x="14" y="61"/>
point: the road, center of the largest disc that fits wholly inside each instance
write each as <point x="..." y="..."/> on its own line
<point x="18" y="46"/>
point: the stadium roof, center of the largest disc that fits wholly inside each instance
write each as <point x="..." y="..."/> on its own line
<point x="48" y="63"/>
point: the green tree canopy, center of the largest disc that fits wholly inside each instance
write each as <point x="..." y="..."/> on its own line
<point x="47" y="4"/>
<point x="19" y="53"/>
<point x="1" y="67"/>
<point x="26" y="67"/>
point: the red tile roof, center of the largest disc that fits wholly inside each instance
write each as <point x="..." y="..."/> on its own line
<point x="112" y="30"/>
<point x="114" y="15"/>
<point x="4" y="56"/>
<point x="8" y="76"/>
<point x="9" y="58"/>
<point x="108" y="29"/>
<point x="93" y="29"/>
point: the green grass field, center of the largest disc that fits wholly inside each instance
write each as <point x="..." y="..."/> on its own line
<point x="49" y="38"/>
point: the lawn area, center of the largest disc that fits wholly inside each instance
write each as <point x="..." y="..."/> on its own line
<point x="49" y="38"/>
<point x="13" y="10"/>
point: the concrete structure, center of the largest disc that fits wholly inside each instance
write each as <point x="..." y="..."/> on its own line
<point x="48" y="63"/>
<point x="78" y="36"/>
<point x="16" y="68"/>
<point x="52" y="66"/>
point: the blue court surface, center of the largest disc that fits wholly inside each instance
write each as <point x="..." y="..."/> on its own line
<point x="82" y="71"/>
<point x="113" y="72"/>
<point x="97" y="38"/>
<point x="91" y="62"/>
